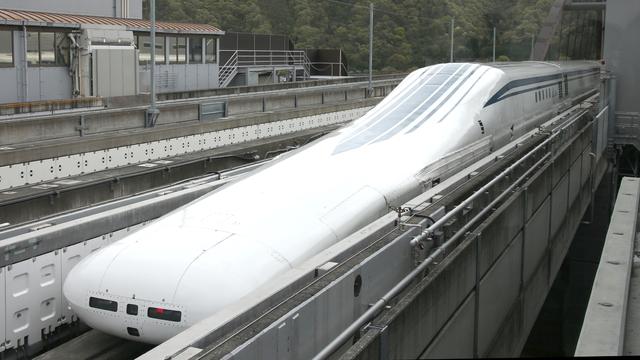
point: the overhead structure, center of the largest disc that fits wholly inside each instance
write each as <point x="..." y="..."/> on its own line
<point x="554" y="19"/>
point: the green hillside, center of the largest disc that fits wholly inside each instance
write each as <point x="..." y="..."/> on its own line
<point x="408" y="33"/>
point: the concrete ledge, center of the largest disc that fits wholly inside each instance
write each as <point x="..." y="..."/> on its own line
<point x="15" y="131"/>
<point x="603" y="328"/>
<point x="70" y="146"/>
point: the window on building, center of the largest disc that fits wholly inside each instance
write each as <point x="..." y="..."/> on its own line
<point x="48" y="48"/>
<point x="177" y="50"/>
<point x="195" y="50"/>
<point x="210" y="48"/>
<point x="144" y="49"/>
<point x="63" y="49"/>
<point x="144" y="54"/>
<point x="160" y="53"/>
<point x="33" y="54"/>
<point x="6" y="48"/>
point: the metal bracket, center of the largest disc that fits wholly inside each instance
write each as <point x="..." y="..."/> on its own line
<point x="82" y="127"/>
<point x="151" y="117"/>
<point x="401" y="211"/>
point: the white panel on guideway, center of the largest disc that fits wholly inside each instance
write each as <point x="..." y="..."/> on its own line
<point x="33" y="298"/>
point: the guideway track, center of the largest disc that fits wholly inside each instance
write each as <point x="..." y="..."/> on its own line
<point x="234" y="336"/>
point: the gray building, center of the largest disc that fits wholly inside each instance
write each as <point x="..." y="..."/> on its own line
<point x="45" y="55"/>
<point x="84" y="49"/>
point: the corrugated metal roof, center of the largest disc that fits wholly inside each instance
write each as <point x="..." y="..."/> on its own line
<point x="37" y="18"/>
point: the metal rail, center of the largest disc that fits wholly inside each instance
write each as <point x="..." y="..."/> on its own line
<point x="443" y="220"/>
<point x="263" y="58"/>
<point x="376" y="308"/>
<point x="373" y="311"/>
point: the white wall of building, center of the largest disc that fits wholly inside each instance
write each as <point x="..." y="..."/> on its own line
<point x="42" y="82"/>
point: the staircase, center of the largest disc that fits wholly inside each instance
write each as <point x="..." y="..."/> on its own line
<point x="247" y="59"/>
<point x="228" y="71"/>
<point x="306" y="65"/>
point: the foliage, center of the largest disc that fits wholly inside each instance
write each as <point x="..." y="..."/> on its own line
<point x="408" y="33"/>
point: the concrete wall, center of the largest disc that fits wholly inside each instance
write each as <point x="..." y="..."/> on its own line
<point x="43" y="83"/>
<point x="621" y="52"/>
<point x="483" y="298"/>
<point x="10" y="87"/>
<point x="111" y="8"/>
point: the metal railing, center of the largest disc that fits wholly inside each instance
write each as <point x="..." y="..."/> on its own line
<point x="228" y="71"/>
<point x="296" y="59"/>
<point x="336" y="68"/>
<point x="539" y="155"/>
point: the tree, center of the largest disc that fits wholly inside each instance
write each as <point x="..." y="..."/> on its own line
<point x="408" y="33"/>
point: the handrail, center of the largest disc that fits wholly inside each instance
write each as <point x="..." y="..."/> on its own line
<point x="228" y="70"/>
<point x="295" y="58"/>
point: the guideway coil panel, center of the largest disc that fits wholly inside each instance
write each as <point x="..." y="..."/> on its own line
<point x="34" y="302"/>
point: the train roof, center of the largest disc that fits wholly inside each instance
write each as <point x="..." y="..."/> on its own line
<point x="529" y="68"/>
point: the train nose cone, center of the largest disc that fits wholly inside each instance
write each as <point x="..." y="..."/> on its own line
<point x="119" y="289"/>
<point x="85" y="278"/>
<point x="222" y="275"/>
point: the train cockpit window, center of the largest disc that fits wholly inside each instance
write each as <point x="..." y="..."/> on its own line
<point x="132" y="309"/>
<point x="103" y="304"/>
<point x="164" y="314"/>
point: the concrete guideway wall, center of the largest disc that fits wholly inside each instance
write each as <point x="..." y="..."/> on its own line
<point x="33" y="305"/>
<point x="483" y="299"/>
<point x="38" y="256"/>
<point x="75" y="125"/>
<point x="81" y="162"/>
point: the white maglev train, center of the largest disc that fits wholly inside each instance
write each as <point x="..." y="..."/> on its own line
<point x="196" y="260"/>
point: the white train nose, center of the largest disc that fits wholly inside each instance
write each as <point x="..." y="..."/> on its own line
<point x="128" y="288"/>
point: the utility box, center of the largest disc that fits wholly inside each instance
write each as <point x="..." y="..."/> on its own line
<point x="108" y="62"/>
<point x="115" y="72"/>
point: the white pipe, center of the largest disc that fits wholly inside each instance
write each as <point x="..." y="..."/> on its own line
<point x="74" y="66"/>
<point x="25" y="90"/>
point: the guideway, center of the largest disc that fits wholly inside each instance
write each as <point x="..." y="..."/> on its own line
<point x="60" y="162"/>
<point x="460" y="271"/>
<point x="472" y="258"/>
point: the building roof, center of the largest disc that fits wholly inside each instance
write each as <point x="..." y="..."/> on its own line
<point x="37" y="18"/>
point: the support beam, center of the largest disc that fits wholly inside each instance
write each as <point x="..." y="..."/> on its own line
<point x="547" y="30"/>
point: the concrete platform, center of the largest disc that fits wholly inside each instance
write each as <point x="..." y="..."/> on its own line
<point x="95" y="345"/>
<point x="612" y="321"/>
